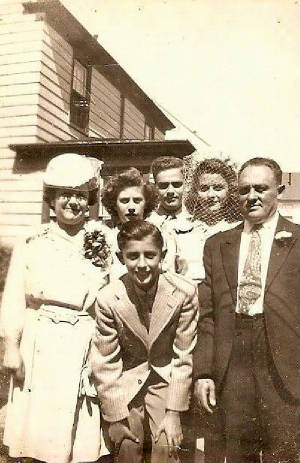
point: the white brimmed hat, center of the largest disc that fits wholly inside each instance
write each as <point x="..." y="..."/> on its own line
<point x="70" y="170"/>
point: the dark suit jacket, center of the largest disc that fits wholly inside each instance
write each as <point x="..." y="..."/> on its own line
<point x="218" y="294"/>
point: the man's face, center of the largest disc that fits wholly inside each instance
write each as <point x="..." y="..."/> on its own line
<point x="258" y="192"/>
<point x="131" y="204"/>
<point x="170" y="186"/>
<point x="142" y="260"/>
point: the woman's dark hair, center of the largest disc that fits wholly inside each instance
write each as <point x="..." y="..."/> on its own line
<point x="49" y="194"/>
<point x="137" y="230"/>
<point x="126" y="179"/>
<point x="230" y="210"/>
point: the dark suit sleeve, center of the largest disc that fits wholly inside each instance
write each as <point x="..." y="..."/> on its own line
<point x="203" y="353"/>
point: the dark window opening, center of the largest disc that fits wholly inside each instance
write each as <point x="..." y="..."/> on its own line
<point x="80" y="96"/>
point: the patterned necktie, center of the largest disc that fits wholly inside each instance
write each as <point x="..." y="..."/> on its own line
<point x="250" y="286"/>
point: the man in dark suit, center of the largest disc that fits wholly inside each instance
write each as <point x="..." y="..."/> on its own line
<point x="246" y="363"/>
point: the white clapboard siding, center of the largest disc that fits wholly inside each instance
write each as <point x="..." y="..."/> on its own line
<point x="13" y="111"/>
<point x="20" y="24"/>
<point x="20" y="208"/>
<point x="20" y="89"/>
<point x="20" y="196"/>
<point x="20" y="68"/>
<point x="21" y="36"/>
<point x="17" y="184"/>
<point x="20" y="219"/>
<point x="20" y="131"/>
<point x="21" y="57"/>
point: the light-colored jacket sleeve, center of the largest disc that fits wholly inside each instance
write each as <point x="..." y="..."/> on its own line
<point x="13" y="302"/>
<point x="107" y="365"/>
<point x="182" y="362"/>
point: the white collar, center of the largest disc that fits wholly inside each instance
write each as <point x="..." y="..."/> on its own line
<point x="269" y="224"/>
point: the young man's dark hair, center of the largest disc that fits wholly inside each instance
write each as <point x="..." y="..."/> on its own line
<point x="165" y="163"/>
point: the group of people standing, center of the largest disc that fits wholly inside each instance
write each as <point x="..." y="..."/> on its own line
<point x="188" y="297"/>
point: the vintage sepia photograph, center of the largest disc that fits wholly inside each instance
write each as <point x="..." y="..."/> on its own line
<point x="149" y="231"/>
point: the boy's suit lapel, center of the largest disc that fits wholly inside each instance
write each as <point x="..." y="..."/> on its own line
<point x="164" y="306"/>
<point x="127" y="310"/>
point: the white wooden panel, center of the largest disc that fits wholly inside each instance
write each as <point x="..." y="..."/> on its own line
<point x="29" y="25"/>
<point x="20" y="89"/>
<point x="21" y="185"/>
<point x="20" y="219"/>
<point x="21" y="36"/>
<point x="13" y="111"/>
<point x="20" y="196"/>
<point x="20" y="68"/>
<point x="24" y="78"/>
<point x="20" y="208"/>
<point x="17" y="132"/>
<point x="18" y="121"/>
<point x="21" y="57"/>
<point x="20" y="47"/>
<point x="16" y="100"/>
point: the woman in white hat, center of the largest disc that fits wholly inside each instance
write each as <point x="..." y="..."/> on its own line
<point x="53" y="413"/>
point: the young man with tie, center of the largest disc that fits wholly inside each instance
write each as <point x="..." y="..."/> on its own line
<point x="246" y="363"/>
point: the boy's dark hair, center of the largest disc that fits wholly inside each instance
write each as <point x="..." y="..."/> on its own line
<point x="165" y="163"/>
<point x="268" y="162"/>
<point x="119" y="182"/>
<point x="137" y="230"/>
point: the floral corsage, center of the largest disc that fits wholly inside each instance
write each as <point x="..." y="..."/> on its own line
<point x="95" y="245"/>
<point x="283" y="236"/>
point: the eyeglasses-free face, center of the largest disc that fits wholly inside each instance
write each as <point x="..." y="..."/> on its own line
<point x="142" y="259"/>
<point x="259" y="193"/>
<point x="170" y="186"/>
<point x="212" y="191"/>
<point x="131" y="204"/>
<point x="70" y="206"/>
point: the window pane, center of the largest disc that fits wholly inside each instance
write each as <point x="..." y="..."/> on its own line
<point x="79" y="78"/>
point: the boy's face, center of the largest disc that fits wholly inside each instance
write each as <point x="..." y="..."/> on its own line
<point x="142" y="260"/>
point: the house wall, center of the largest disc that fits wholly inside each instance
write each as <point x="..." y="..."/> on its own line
<point x="35" y="87"/>
<point x="20" y="66"/>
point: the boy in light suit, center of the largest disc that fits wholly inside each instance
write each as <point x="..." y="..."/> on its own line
<point x="142" y="352"/>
